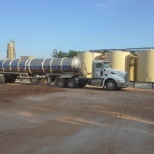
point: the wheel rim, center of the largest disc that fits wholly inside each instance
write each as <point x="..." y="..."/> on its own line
<point x="110" y="85"/>
<point x="61" y="83"/>
<point x="70" y="83"/>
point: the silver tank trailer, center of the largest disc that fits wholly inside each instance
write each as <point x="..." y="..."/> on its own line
<point x="41" y="66"/>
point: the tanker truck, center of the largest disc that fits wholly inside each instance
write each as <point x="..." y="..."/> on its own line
<point x="64" y="72"/>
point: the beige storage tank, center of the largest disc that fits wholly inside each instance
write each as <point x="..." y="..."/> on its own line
<point x="87" y="59"/>
<point x="145" y="66"/>
<point x="11" y="50"/>
<point x="120" y="60"/>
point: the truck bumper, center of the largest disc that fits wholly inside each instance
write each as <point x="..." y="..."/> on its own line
<point x="123" y="85"/>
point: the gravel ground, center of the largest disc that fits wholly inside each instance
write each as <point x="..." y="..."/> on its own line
<point x="42" y="119"/>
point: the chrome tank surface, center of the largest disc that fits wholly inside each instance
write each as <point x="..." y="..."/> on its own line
<point x="40" y="66"/>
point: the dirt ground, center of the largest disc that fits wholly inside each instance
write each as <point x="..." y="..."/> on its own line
<point x="42" y="119"/>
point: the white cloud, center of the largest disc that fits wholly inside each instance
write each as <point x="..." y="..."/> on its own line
<point x="102" y="6"/>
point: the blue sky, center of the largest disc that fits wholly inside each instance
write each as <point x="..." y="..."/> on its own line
<point x="39" y="26"/>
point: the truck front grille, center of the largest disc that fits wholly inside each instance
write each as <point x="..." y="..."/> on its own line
<point x="126" y="77"/>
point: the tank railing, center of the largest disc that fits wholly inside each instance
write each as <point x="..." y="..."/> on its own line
<point x="123" y="49"/>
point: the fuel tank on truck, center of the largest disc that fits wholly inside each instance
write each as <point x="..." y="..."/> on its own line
<point x="54" y="65"/>
<point x="40" y="66"/>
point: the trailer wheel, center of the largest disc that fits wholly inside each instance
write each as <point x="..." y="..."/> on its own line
<point x="12" y="80"/>
<point x="61" y="83"/>
<point x="111" y="85"/>
<point x="71" y="83"/>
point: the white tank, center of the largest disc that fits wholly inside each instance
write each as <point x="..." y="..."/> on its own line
<point x="145" y="66"/>
<point x="87" y="59"/>
<point x="119" y="59"/>
<point x="11" y="50"/>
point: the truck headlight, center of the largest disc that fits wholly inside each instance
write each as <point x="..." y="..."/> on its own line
<point x="120" y="81"/>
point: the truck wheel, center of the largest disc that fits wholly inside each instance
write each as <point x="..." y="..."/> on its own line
<point x="71" y="83"/>
<point x="61" y="83"/>
<point x="111" y="85"/>
<point x="81" y="85"/>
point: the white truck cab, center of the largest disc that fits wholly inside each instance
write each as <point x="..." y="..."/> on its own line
<point x="103" y="75"/>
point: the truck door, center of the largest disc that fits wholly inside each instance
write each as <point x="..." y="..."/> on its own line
<point x="98" y="70"/>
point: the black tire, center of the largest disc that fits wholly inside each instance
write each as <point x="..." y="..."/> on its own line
<point x="12" y="80"/>
<point x="61" y="83"/>
<point x="71" y="83"/>
<point x="111" y="85"/>
<point x="9" y="80"/>
<point x="81" y="85"/>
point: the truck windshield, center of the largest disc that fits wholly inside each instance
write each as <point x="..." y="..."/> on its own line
<point x="107" y="65"/>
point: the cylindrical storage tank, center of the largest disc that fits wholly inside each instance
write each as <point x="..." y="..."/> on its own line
<point x="87" y="59"/>
<point x="145" y="66"/>
<point x="119" y="59"/>
<point x="11" y="50"/>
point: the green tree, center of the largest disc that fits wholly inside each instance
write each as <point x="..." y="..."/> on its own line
<point x="62" y="54"/>
<point x="73" y="53"/>
<point x="54" y="53"/>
